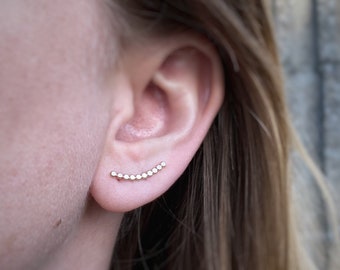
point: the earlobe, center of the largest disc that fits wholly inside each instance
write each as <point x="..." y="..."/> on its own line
<point x="173" y="102"/>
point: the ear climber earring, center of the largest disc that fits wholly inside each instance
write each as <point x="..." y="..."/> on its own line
<point x="140" y="176"/>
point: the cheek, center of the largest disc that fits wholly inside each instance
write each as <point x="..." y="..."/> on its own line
<point x="53" y="117"/>
<point x="45" y="175"/>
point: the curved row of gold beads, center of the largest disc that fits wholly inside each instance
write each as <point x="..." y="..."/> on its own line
<point x="140" y="176"/>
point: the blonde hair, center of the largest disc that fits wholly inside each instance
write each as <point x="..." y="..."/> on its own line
<point x="231" y="209"/>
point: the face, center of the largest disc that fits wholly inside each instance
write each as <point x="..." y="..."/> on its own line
<point x="54" y="111"/>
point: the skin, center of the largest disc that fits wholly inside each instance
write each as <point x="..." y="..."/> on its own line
<point x="54" y="112"/>
<point x="73" y="103"/>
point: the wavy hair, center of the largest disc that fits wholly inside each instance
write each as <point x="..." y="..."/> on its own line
<point x="231" y="209"/>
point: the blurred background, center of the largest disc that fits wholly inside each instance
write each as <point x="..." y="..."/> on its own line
<point x="308" y="32"/>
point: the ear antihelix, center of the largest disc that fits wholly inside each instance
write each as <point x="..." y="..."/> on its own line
<point x="139" y="176"/>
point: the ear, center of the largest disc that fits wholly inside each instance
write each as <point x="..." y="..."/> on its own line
<point x="166" y="95"/>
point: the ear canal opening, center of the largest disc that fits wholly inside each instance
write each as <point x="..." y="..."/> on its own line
<point x="150" y="117"/>
<point x="178" y="94"/>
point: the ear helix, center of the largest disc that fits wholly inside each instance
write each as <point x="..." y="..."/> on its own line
<point x="140" y="176"/>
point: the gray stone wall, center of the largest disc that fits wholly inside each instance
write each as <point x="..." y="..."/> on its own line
<point x="308" y="33"/>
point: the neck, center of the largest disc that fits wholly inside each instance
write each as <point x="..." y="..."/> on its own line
<point x="91" y="244"/>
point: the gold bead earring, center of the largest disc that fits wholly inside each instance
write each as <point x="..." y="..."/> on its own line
<point x="140" y="176"/>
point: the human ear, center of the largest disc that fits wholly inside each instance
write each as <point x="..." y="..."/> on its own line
<point x="169" y="92"/>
